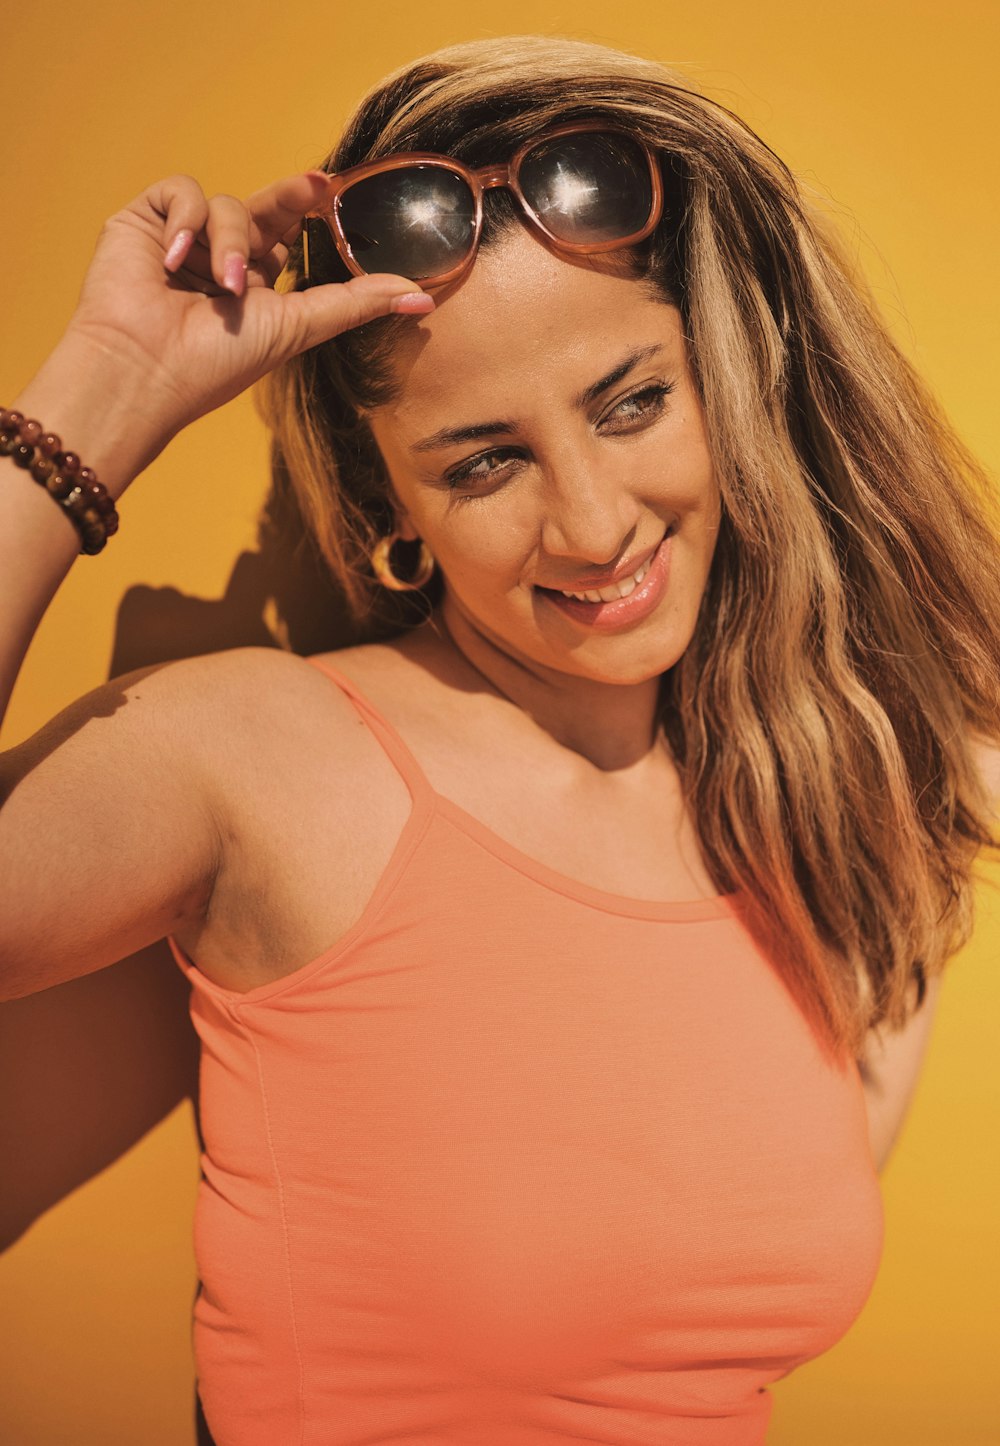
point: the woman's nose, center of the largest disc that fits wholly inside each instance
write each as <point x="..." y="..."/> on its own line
<point x="589" y="511"/>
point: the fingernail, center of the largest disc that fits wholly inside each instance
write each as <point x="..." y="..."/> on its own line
<point x="178" y="249"/>
<point x="412" y="303"/>
<point x="235" y="274"/>
<point x="316" y="175"/>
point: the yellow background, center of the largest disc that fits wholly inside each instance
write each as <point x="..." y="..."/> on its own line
<point x="888" y="109"/>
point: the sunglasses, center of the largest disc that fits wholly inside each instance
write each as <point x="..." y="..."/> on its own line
<point x="583" y="188"/>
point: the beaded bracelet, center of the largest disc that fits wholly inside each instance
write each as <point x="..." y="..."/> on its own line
<point x="85" y="500"/>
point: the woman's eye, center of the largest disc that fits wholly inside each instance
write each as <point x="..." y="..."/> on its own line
<point x="640" y="405"/>
<point x="487" y="467"/>
<point x="492" y="467"/>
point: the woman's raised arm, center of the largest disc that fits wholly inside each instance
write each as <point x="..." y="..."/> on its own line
<point x="107" y="830"/>
<point x="177" y="315"/>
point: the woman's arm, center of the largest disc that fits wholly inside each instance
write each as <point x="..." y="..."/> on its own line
<point x="891" y="1063"/>
<point x="111" y="833"/>
<point x="102" y="409"/>
<point x="111" y="823"/>
<point x="890" y="1068"/>
<point x="177" y="315"/>
<point x="107" y="835"/>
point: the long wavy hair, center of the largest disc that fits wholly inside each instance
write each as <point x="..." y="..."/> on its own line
<point x="848" y="644"/>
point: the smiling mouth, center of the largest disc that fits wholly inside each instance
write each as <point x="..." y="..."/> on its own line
<point x="632" y="603"/>
<point x="614" y="591"/>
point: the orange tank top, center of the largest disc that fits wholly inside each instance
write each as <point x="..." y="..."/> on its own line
<point x="518" y="1161"/>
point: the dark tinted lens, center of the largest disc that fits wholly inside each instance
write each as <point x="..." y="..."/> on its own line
<point x="417" y="221"/>
<point x="325" y="261"/>
<point x="588" y="188"/>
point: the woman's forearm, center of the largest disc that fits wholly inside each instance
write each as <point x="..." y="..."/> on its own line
<point x="99" y="404"/>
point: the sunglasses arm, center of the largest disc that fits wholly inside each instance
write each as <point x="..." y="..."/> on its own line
<point x="305" y="248"/>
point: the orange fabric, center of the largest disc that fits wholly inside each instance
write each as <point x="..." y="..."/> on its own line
<point x="518" y="1161"/>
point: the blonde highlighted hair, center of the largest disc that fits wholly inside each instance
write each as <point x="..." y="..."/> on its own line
<point x="848" y="643"/>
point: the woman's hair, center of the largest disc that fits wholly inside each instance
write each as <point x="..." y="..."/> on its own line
<point x="848" y="643"/>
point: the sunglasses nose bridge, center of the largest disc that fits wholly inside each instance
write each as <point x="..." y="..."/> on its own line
<point x="489" y="177"/>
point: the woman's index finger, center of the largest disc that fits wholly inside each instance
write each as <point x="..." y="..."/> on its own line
<point x="277" y="209"/>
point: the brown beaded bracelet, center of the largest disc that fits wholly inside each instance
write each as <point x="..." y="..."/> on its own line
<point x="86" y="501"/>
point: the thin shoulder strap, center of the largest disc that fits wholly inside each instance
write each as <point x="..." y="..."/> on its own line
<point x="406" y="765"/>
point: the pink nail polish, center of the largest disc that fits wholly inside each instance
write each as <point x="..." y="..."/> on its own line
<point x="235" y="274"/>
<point x="412" y="303"/>
<point x="178" y="249"/>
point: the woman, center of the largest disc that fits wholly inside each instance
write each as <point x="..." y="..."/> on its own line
<point x="538" y="948"/>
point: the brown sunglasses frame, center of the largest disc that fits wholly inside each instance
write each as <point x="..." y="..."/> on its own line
<point x="481" y="180"/>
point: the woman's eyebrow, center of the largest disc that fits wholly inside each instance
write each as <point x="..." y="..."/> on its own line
<point x="640" y="354"/>
<point x="451" y="436"/>
<point x="448" y="436"/>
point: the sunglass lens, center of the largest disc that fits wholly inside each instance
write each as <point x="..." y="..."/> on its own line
<point x="589" y="188"/>
<point x="417" y="221"/>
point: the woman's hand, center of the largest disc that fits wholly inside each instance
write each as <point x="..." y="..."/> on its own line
<point x="181" y="286"/>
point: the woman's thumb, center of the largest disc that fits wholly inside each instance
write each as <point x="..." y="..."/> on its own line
<point x="339" y="306"/>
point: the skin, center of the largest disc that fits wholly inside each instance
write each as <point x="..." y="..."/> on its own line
<point x="566" y="489"/>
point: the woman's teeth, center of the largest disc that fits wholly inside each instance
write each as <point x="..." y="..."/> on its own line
<point x="613" y="590"/>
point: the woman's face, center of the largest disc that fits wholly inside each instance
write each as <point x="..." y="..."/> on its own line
<point x="548" y="438"/>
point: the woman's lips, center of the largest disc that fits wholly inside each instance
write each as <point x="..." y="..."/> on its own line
<point x="621" y="612"/>
<point x="625" y="570"/>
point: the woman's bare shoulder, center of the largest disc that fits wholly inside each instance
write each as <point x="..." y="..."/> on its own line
<point x="247" y="704"/>
<point x="264" y="676"/>
<point x="270" y="699"/>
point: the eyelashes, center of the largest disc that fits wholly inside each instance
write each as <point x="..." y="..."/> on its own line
<point x="481" y="468"/>
<point x="631" y="414"/>
<point x="639" y="404"/>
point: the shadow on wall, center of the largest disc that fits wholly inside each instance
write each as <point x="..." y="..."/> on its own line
<point x="89" y="1067"/>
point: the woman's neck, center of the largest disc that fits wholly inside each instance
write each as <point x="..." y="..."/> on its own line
<point x="611" y="725"/>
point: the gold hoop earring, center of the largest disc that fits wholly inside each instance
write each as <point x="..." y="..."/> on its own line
<point x="382" y="565"/>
